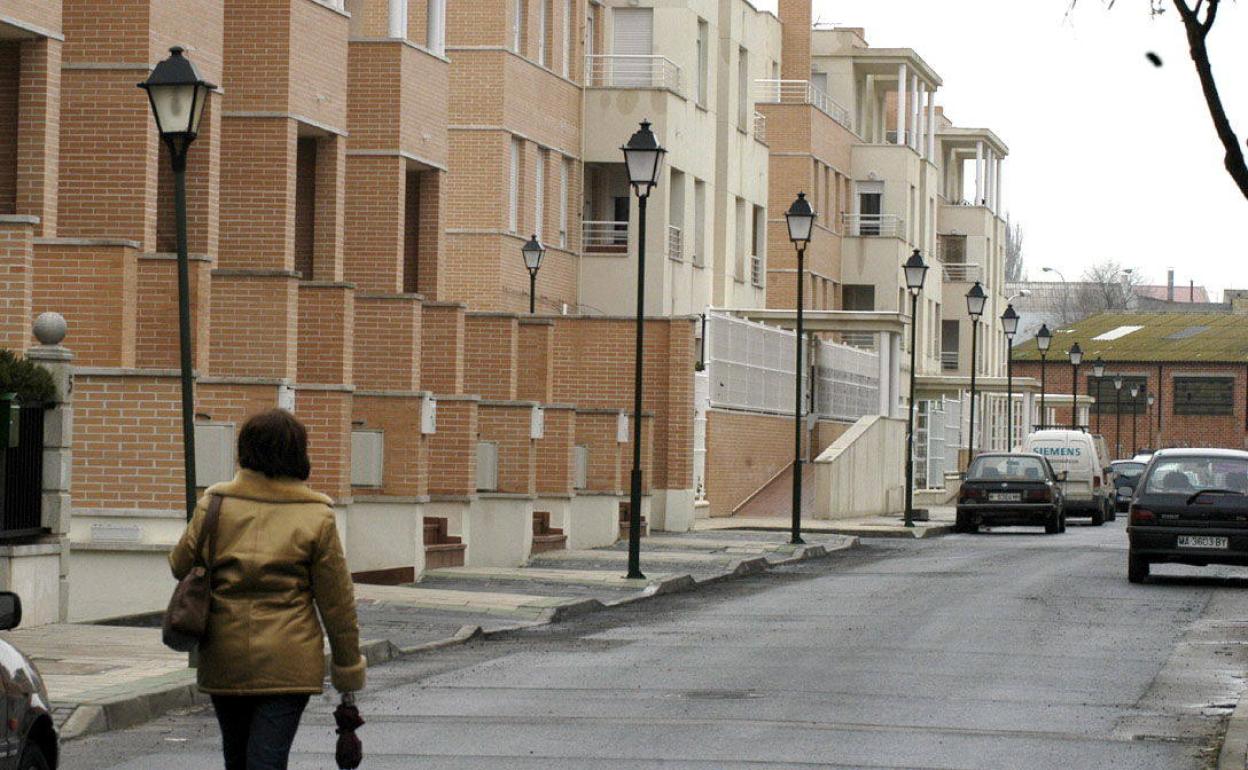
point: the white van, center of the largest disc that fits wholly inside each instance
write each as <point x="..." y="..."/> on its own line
<point x="1074" y="452"/>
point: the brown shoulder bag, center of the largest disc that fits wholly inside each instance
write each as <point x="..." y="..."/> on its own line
<point x="186" y="619"/>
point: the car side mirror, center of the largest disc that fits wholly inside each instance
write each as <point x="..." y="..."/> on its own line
<point x="10" y="611"/>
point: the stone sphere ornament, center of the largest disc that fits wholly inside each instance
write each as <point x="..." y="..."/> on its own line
<point x="50" y="328"/>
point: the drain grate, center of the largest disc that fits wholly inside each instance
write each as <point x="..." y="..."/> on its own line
<point x="718" y="695"/>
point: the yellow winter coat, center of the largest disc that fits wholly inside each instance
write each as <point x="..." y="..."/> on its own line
<point x="279" y="561"/>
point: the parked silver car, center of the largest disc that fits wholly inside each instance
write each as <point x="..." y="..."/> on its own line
<point x="28" y="740"/>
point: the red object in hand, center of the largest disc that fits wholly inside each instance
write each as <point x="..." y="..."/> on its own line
<point x="350" y="752"/>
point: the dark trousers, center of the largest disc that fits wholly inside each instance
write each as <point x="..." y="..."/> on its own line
<point x="257" y="730"/>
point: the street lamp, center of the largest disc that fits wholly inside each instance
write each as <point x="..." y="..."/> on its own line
<point x="643" y="158"/>
<point x="916" y="271"/>
<point x="1076" y="358"/>
<point x="1149" y="422"/>
<point x="975" y="301"/>
<point x="178" y="94"/>
<point x="1118" y="415"/>
<point x="1098" y="371"/>
<point x="800" y="219"/>
<point x="1044" y="338"/>
<point x="533" y="251"/>
<point x="1065" y="290"/>
<point x="1009" y="322"/>
<point x="1135" y="436"/>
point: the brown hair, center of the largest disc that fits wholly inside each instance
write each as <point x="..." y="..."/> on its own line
<point x="276" y="444"/>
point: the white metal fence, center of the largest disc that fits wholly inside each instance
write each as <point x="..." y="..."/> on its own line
<point x="801" y="92"/>
<point x="750" y="366"/>
<point x="874" y="225"/>
<point x="937" y="440"/>
<point x="631" y="71"/>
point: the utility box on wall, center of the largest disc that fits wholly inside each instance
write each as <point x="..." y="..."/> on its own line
<point x="621" y="429"/>
<point x="214" y="452"/>
<point x="367" y="457"/>
<point x="428" y="415"/>
<point x="537" y="424"/>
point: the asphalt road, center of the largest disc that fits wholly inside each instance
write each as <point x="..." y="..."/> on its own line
<point x="1001" y="650"/>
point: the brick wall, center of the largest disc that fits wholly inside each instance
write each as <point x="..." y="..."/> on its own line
<point x="38" y="133"/>
<point x="555" y="459"/>
<point x="405" y="469"/>
<point x="596" y="430"/>
<point x="16" y="277"/>
<point x="743" y="452"/>
<point x="257" y="193"/>
<point x="157" y="344"/>
<point x="387" y="342"/>
<point x="535" y="364"/>
<point x="453" y="449"/>
<point x="94" y="287"/>
<point x="10" y="88"/>
<point x="509" y="426"/>
<point x="326" y="333"/>
<point x="327" y="415"/>
<point x="375" y="222"/>
<point x="442" y="349"/>
<point x="491" y="344"/>
<point x="254" y="324"/>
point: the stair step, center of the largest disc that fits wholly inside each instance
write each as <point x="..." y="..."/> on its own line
<point x="549" y="542"/>
<point x="442" y="555"/>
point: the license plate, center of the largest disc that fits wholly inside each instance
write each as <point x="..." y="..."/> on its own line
<point x="1203" y="541"/>
<point x="1004" y="497"/>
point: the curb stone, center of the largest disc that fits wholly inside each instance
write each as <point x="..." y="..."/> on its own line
<point x="133" y="709"/>
<point x="1234" y="752"/>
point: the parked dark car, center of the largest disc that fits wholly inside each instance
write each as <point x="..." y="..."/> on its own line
<point x="1190" y="507"/>
<point x="1014" y="488"/>
<point x="1126" y="473"/>
<point x="29" y="740"/>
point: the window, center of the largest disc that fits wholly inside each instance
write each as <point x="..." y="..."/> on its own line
<point x="703" y="58"/>
<point x="1108" y="399"/>
<point x="539" y="193"/>
<point x="435" y="26"/>
<point x="858" y="296"/>
<point x="543" y="47"/>
<point x="676" y="215"/>
<point x="513" y="200"/>
<point x="1204" y="395"/>
<point x="566" y="67"/>
<point x="565" y="174"/>
<point x="743" y="89"/>
<point x="591" y="27"/>
<point x="517" y="27"/>
<point x="632" y="35"/>
<point x="870" y="204"/>
<point x="739" y="262"/>
<point x="757" y="272"/>
<point x="699" y="223"/>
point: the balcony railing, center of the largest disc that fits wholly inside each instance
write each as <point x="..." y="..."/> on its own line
<point x="604" y="237"/>
<point x="801" y="92"/>
<point x="624" y="71"/>
<point x="963" y="271"/>
<point x="760" y="127"/>
<point x="949" y="361"/>
<point x="861" y="340"/>
<point x="756" y="270"/>
<point x="675" y="244"/>
<point x="874" y="225"/>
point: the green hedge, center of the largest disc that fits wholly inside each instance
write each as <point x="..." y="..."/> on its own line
<point x="31" y="382"/>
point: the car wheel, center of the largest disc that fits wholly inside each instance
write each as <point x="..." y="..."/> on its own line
<point x="965" y="524"/>
<point x="1112" y="507"/>
<point x="1054" y="524"/>
<point x="1098" y="517"/>
<point x="1137" y="568"/>
<point x="33" y="759"/>
<point x="1063" y="529"/>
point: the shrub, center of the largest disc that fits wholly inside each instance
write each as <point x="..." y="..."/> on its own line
<point x="32" y="383"/>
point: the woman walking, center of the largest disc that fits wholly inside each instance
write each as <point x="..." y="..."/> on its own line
<point x="278" y="562"/>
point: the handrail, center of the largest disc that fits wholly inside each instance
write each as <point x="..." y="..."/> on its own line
<point x="874" y="225"/>
<point x="633" y="71"/>
<point x="963" y="271"/>
<point x="604" y="237"/>
<point x="776" y="91"/>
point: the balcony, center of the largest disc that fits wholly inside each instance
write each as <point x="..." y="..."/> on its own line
<point x="604" y="237"/>
<point x="801" y="92"/>
<point x="874" y="225"/>
<point x="620" y="71"/>
<point x="949" y="361"/>
<point x="966" y="272"/>
<point x="675" y="244"/>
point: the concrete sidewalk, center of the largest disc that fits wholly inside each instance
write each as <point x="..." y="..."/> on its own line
<point x="104" y="678"/>
<point x="940" y="522"/>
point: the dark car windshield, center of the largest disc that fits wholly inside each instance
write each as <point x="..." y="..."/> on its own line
<point x="1006" y="468"/>
<point x="1186" y="475"/>
<point x="1128" y="470"/>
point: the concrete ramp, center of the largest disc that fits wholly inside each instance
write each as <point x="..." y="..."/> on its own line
<point x="775" y="498"/>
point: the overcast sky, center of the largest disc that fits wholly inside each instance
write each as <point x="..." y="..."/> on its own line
<point x="1110" y="157"/>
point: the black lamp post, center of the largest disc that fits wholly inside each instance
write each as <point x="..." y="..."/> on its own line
<point x="800" y="219"/>
<point x="1009" y="323"/>
<point x="1076" y="358"/>
<point x="916" y="272"/>
<point x="533" y="252"/>
<point x="643" y="158"/>
<point x="1044" y="338"/>
<point x="1149" y="418"/>
<point x="975" y="301"/>
<point x="178" y="95"/>
<point x="1135" y="436"/>
<point x="1098" y="371"/>
<point x="1118" y="415"/>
